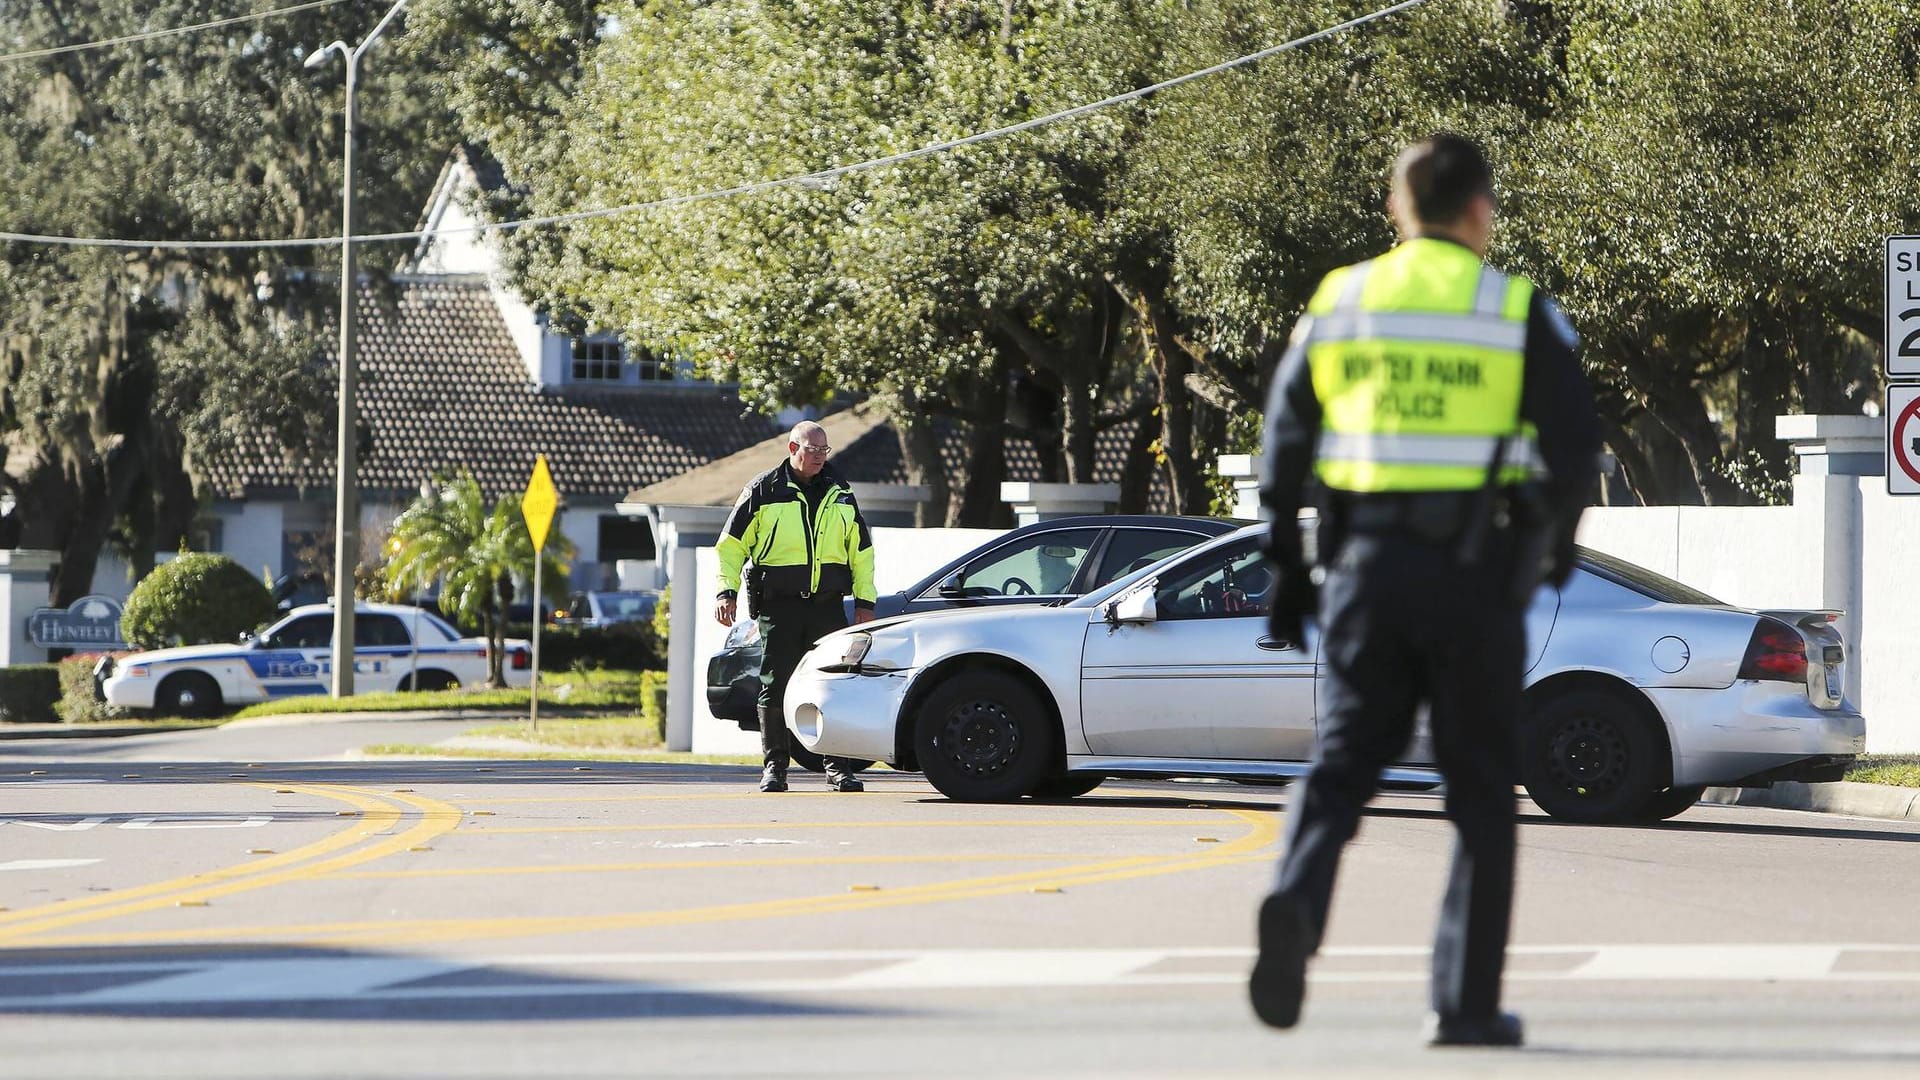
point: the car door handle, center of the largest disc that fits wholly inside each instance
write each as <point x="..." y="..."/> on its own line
<point x="1274" y="644"/>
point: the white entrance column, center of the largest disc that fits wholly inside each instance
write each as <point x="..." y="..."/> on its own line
<point x="680" y="532"/>
<point x="1044" y="502"/>
<point x="1244" y="471"/>
<point x="25" y="584"/>
<point x="1832" y="453"/>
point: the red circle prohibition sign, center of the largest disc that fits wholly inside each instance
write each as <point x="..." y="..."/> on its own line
<point x="1901" y="448"/>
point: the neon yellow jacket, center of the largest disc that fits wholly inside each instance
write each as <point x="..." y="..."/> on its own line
<point x="796" y="554"/>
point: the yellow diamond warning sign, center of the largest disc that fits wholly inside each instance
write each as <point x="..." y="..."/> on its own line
<point x="539" y="502"/>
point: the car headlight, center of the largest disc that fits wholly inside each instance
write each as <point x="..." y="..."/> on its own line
<point x="744" y="633"/>
<point x="857" y="648"/>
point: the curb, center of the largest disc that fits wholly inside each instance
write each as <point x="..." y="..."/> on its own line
<point x="89" y="731"/>
<point x="1855" y="800"/>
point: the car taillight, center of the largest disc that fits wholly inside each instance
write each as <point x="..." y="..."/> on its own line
<point x="523" y="659"/>
<point x="1777" y="652"/>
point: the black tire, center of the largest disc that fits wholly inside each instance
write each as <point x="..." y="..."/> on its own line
<point x="983" y="736"/>
<point x="425" y="681"/>
<point x="1068" y="785"/>
<point x="1592" y="756"/>
<point x="188" y="693"/>
<point x="813" y="762"/>
<point x="1671" y="803"/>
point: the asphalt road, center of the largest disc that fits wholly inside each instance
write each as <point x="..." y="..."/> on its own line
<point x="253" y="902"/>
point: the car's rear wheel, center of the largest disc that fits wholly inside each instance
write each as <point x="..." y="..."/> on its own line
<point x="1590" y="755"/>
<point x="430" y="680"/>
<point x="1068" y="785"/>
<point x="1671" y="803"/>
<point x="813" y="762"/>
<point x="188" y="693"/>
<point x="983" y="736"/>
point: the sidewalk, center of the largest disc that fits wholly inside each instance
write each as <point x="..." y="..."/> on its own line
<point x="1854" y="800"/>
<point x="88" y="731"/>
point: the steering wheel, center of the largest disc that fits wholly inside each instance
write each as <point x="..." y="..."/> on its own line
<point x="1007" y="587"/>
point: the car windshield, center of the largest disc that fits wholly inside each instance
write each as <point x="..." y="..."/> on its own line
<point x="1644" y="581"/>
<point x="1119" y="585"/>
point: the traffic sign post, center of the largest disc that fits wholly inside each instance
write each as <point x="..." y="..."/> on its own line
<point x="1903" y="439"/>
<point x="537" y="506"/>
<point x="1903" y="308"/>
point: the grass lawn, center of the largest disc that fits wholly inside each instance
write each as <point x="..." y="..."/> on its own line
<point x="1896" y="770"/>
<point x="571" y="689"/>
<point x="623" y="733"/>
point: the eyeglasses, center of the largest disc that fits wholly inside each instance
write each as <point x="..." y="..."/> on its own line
<point x="817" y="451"/>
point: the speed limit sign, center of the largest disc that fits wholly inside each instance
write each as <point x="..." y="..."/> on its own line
<point x="1903" y="307"/>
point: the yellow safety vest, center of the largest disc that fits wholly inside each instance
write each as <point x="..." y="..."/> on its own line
<point x="796" y="552"/>
<point x="1417" y="359"/>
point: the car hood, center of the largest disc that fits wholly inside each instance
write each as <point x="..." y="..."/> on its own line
<point x="962" y="614"/>
<point x="186" y="652"/>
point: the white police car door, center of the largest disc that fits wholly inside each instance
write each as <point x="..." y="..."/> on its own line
<point x="383" y="650"/>
<point x="293" y="658"/>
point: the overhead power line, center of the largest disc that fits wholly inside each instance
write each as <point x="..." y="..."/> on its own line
<point x="811" y="179"/>
<point x="149" y="35"/>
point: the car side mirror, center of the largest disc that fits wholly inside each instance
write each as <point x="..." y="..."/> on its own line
<point x="1137" y="606"/>
<point x="955" y="587"/>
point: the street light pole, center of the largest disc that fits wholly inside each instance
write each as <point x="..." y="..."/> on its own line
<point x="346" y="509"/>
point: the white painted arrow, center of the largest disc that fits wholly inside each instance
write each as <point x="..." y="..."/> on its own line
<point x="45" y="864"/>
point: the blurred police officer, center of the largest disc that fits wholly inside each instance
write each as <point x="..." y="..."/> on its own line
<point x="798" y="525"/>
<point x="1441" y="408"/>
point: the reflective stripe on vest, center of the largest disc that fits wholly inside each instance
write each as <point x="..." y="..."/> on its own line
<point x="1417" y="359"/>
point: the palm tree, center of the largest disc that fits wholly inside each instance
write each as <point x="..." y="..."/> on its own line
<point x="450" y="535"/>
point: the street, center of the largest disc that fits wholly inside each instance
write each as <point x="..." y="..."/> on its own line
<point x="253" y="901"/>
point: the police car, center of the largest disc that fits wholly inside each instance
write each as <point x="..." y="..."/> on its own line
<point x="396" y="647"/>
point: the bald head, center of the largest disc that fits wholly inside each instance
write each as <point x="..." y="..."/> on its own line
<point x="807" y="448"/>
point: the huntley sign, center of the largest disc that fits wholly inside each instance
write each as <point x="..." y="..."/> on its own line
<point x="93" y="622"/>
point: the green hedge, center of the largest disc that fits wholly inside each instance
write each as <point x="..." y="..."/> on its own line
<point x="653" y="702"/>
<point x="77" y="703"/>
<point x="193" y="600"/>
<point x="628" y="646"/>
<point x="28" y="693"/>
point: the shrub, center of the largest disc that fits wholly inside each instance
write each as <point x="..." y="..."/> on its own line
<point x="28" y="693"/>
<point x="653" y="702"/>
<point x="193" y="600"/>
<point x="77" y="703"/>
<point x="628" y="646"/>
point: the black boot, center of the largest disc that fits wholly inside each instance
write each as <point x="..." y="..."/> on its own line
<point x="1279" y="981"/>
<point x="840" y="778"/>
<point x="1500" y="1029"/>
<point x="773" y="750"/>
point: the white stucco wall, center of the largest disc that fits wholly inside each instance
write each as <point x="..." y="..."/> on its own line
<point x="1889" y="622"/>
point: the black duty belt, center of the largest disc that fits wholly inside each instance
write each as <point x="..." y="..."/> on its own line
<point x="1439" y="516"/>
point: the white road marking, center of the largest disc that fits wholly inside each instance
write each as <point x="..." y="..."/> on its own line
<point x="45" y="864"/>
<point x="209" y="980"/>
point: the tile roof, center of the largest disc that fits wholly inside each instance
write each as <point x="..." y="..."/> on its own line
<point x="442" y="385"/>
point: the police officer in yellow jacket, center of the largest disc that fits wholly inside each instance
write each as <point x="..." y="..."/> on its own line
<point x="1440" y="410"/>
<point x="798" y="526"/>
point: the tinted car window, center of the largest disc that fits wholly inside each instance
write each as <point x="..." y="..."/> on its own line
<point x="307" y="632"/>
<point x="1132" y="549"/>
<point x="380" y="630"/>
<point x="1644" y="581"/>
<point x="1040" y="565"/>
<point x="1229" y="582"/>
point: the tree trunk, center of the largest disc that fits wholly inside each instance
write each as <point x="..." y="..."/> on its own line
<point x="1076" y="426"/>
<point x="1171" y="366"/>
<point x="920" y="450"/>
<point x="1136" y="473"/>
<point x="978" y="504"/>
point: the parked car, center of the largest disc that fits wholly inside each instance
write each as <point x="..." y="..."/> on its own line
<point x="396" y="647"/>
<point x="1043" y="563"/>
<point x="588" y="609"/>
<point x="1641" y="691"/>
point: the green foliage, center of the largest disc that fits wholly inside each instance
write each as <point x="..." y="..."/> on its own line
<point x="663" y="620"/>
<point x="78" y="705"/>
<point x="28" y="694"/>
<point x="194" y="600"/>
<point x="125" y="374"/>
<point x="627" y="646"/>
<point x="653" y="703"/>
<point x="450" y="535"/>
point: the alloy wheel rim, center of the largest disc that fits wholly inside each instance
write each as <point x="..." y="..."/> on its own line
<point x="1588" y="757"/>
<point x="981" y="738"/>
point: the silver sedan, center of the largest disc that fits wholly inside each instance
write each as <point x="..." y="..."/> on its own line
<point x="1641" y="692"/>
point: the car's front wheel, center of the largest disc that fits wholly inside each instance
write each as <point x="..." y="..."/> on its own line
<point x="984" y="736"/>
<point x="1068" y="785"/>
<point x="188" y="693"/>
<point x="1590" y="755"/>
<point x="1671" y="803"/>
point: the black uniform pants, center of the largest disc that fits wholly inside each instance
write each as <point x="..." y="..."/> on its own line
<point x="1402" y="622"/>
<point x="788" y="628"/>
